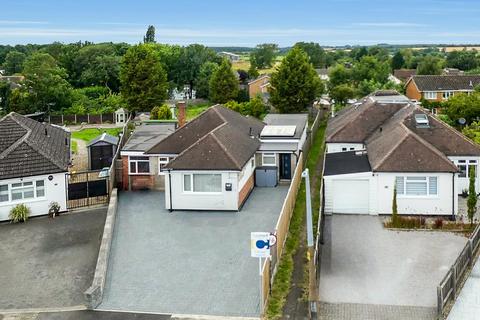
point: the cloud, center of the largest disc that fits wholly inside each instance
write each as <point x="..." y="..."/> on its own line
<point x="389" y="24"/>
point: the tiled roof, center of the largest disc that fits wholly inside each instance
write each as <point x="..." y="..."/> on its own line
<point x="450" y="82"/>
<point x="28" y="147"/>
<point x="404" y="74"/>
<point x="218" y="139"/>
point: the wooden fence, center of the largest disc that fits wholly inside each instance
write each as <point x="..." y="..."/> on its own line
<point x="114" y="173"/>
<point x="449" y="287"/>
<point x="83" y="118"/>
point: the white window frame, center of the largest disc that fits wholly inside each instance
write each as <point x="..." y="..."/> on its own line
<point x="11" y="189"/>
<point x="448" y="94"/>
<point x="431" y="95"/>
<point x="130" y="160"/>
<point x="427" y="182"/>
<point x="269" y="155"/>
<point x="162" y="161"/>
<point x="192" y="191"/>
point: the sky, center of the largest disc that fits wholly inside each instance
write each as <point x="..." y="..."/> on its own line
<point x="242" y="22"/>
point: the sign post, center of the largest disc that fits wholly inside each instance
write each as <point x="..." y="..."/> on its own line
<point x="260" y="244"/>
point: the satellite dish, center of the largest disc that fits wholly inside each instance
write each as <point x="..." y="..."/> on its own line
<point x="462" y="121"/>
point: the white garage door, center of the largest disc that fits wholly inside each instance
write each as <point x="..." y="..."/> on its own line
<point x="350" y="196"/>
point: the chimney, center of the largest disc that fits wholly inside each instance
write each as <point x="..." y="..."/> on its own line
<point x="181" y="105"/>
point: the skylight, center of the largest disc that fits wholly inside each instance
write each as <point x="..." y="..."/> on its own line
<point x="278" y="131"/>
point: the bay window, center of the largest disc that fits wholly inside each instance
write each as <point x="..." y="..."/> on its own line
<point x="138" y="165"/>
<point x="202" y="182"/>
<point x="417" y="186"/>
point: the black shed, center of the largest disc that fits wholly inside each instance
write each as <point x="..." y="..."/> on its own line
<point x="101" y="151"/>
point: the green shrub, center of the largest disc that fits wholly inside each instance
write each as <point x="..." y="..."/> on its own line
<point x="19" y="213"/>
<point x="407" y="223"/>
<point x="54" y="209"/>
<point x="162" y="112"/>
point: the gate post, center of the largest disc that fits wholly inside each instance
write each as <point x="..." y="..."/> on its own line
<point x="88" y="193"/>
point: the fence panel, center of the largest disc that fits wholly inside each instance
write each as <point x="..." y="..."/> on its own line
<point x="265" y="282"/>
<point x="56" y="119"/>
<point x="87" y="188"/>
<point x="475" y="239"/>
<point x="95" y="119"/>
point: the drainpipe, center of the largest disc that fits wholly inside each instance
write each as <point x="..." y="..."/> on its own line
<point x="453" y="196"/>
<point x="170" y="189"/>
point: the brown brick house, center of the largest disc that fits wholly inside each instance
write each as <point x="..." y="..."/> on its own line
<point x="439" y="88"/>
<point x="259" y="86"/>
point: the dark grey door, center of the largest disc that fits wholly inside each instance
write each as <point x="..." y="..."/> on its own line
<point x="285" y="166"/>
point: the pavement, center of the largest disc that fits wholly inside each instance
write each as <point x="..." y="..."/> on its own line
<point x="48" y="263"/>
<point x="467" y="305"/>
<point x="363" y="263"/>
<point x="187" y="262"/>
<point x="86" y="315"/>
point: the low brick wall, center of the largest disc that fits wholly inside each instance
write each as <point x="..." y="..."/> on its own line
<point x="94" y="294"/>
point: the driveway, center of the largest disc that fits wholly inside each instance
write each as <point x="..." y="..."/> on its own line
<point x="363" y="263"/>
<point x="48" y="263"/>
<point x="187" y="262"/>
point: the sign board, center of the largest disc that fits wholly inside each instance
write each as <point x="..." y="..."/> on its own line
<point x="260" y="244"/>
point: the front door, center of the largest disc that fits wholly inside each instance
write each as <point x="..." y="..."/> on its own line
<point x="285" y="166"/>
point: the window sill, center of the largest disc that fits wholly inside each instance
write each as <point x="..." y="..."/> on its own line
<point x="24" y="201"/>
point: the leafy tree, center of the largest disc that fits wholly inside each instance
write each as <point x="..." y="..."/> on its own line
<point x="339" y="75"/>
<point x="190" y="60"/>
<point x="294" y="84"/>
<point x="314" y="51"/>
<point x="463" y="106"/>
<point x="370" y="68"/>
<point x="14" y="62"/>
<point x="430" y="66"/>
<point x="341" y="93"/>
<point x="472" y="195"/>
<point x="4" y="96"/>
<point x="162" y="112"/>
<point x="143" y="79"/>
<point x="203" y="83"/>
<point x="88" y="59"/>
<point x="150" y="35"/>
<point x="263" y="55"/>
<point x="398" y="61"/>
<point x="111" y="102"/>
<point x="103" y="71"/>
<point x="45" y="83"/>
<point x="253" y="72"/>
<point x="255" y="107"/>
<point x="472" y="131"/>
<point x="463" y="60"/>
<point x="223" y="84"/>
<point x="359" y="53"/>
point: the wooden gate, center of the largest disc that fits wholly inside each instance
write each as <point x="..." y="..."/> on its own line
<point x="87" y="188"/>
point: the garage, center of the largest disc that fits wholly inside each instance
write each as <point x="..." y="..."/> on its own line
<point x="350" y="196"/>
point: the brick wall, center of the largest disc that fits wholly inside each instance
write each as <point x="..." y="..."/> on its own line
<point x="136" y="182"/>
<point x="243" y="194"/>
<point x="412" y="91"/>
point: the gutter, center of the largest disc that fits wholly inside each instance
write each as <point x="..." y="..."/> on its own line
<point x="453" y="196"/>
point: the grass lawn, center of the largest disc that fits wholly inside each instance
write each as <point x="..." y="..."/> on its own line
<point x="91" y="133"/>
<point x="194" y="110"/>
<point x="74" y="146"/>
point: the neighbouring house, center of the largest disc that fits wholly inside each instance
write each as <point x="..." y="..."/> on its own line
<point x="101" y="151"/>
<point x="121" y="117"/>
<point x="387" y="143"/>
<point x="439" y="88"/>
<point x="453" y="72"/>
<point x="14" y="81"/>
<point x="232" y="57"/>
<point x="404" y="74"/>
<point x="211" y="161"/>
<point x="141" y="170"/>
<point x="323" y="74"/>
<point x="259" y="87"/>
<point x="34" y="160"/>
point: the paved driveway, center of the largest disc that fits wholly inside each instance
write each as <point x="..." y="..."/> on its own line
<point x="49" y="263"/>
<point x="187" y="262"/>
<point x="366" y="264"/>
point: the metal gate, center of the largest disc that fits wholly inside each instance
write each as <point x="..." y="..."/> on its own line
<point x="87" y="188"/>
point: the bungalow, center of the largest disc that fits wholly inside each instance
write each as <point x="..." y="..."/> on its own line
<point x="259" y="87"/>
<point x="212" y="159"/>
<point x="439" y="88"/>
<point x="34" y="160"/>
<point x="382" y="144"/>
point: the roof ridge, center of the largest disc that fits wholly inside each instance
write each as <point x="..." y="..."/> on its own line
<point x="14" y="145"/>
<point x="351" y="120"/>
<point x="462" y="136"/>
<point x="225" y="149"/>
<point x="388" y="154"/>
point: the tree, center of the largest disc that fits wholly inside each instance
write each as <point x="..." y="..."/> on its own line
<point x="339" y="75"/>
<point x="463" y="60"/>
<point x="314" y="51"/>
<point x="162" y="112"/>
<point x="223" y="84"/>
<point x="14" y="62"/>
<point x="203" y="83"/>
<point x="398" y="61"/>
<point x="5" y="90"/>
<point x="190" y="60"/>
<point x="472" y="195"/>
<point x="150" y="35"/>
<point x="45" y="85"/>
<point x="90" y="58"/>
<point x="294" y="84"/>
<point x="463" y="106"/>
<point x="255" y="107"/>
<point x="430" y="66"/>
<point x="263" y="55"/>
<point x="370" y="68"/>
<point x="253" y="72"/>
<point x="143" y="79"/>
<point x="103" y="71"/>
<point x="342" y="93"/>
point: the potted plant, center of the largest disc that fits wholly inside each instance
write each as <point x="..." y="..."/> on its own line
<point x="464" y="193"/>
<point x="54" y="209"/>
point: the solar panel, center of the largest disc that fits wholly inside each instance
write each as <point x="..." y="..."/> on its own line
<point x="278" y="131"/>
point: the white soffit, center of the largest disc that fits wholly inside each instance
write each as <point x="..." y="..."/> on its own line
<point x="278" y="131"/>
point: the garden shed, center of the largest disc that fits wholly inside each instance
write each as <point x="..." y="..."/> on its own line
<point x="101" y="151"/>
